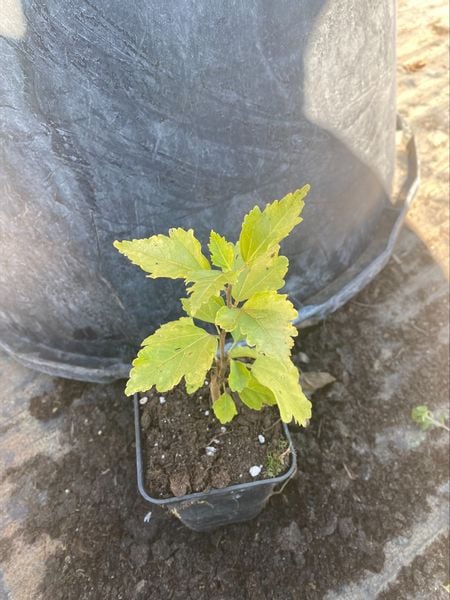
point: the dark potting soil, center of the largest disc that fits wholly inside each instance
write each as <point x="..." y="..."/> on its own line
<point x="186" y="449"/>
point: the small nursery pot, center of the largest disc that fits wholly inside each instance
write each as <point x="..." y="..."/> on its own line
<point x="202" y="511"/>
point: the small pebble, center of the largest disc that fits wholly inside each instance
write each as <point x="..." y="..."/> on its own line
<point x="67" y="491"/>
<point x="210" y="450"/>
<point x="223" y="429"/>
<point x="155" y="444"/>
<point x="143" y="400"/>
<point x="261" y="439"/>
<point x="206" y="413"/>
<point x="162" y="400"/>
<point x="304" y="358"/>
<point x="99" y="432"/>
<point x="147" y="517"/>
<point x="206" y="382"/>
<point x="255" y="470"/>
<point x="163" y="456"/>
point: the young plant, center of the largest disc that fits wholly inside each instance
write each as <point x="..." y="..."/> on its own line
<point x="236" y="291"/>
<point x="425" y="418"/>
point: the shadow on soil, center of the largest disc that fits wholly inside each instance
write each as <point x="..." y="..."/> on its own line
<point x="362" y="480"/>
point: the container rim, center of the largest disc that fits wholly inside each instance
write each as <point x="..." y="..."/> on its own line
<point x="238" y="487"/>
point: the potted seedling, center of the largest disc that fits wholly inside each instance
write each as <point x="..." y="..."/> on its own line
<point x="214" y="449"/>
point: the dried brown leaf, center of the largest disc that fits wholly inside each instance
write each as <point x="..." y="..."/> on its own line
<point x="315" y="380"/>
<point x="413" y="67"/>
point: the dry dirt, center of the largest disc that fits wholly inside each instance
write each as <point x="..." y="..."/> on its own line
<point x="367" y="515"/>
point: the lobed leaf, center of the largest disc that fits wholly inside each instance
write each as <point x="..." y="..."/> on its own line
<point x="224" y="408"/>
<point x="282" y="378"/>
<point x="265" y="322"/>
<point x="174" y="256"/>
<point x="207" y="312"/>
<point x="239" y="376"/>
<point x="228" y="318"/>
<point x="242" y="352"/>
<point x="266" y="273"/>
<point x="255" y="395"/>
<point x="177" y="349"/>
<point x="222" y="252"/>
<point x="263" y="230"/>
<point x="203" y="285"/>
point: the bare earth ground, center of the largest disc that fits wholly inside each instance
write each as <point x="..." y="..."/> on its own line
<point x="367" y="516"/>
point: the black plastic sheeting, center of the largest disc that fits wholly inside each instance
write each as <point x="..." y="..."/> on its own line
<point x="119" y="120"/>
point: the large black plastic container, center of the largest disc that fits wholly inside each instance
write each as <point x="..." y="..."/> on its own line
<point x="120" y="119"/>
<point x="208" y="510"/>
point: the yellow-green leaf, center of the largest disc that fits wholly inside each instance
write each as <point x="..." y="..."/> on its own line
<point x="228" y="318"/>
<point x="207" y="312"/>
<point x="255" y="395"/>
<point x="222" y="252"/>
<point x="242" y="352"/>
<point x="239" y="375"/>
<point x="264" y="274"/>
<point x="263" y="230"/>
<point x="174" y="256"/>
<point x="203" y="285"/>
<point x="177" y="349"/>
<point x="224" y="408"/>
<point x="282" y="378"/>
<point x="265" y="321"/>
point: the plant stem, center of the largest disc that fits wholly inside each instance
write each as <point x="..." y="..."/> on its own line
<point x="438" y="423"/>
<point x="214" y="387"/>
<point x="218" y="377"/>
<point x="223" y="360"/>
<point x="221" y="349"/>
<point x="228" y="296"/>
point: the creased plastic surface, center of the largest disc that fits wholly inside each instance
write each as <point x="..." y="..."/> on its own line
<point x="121" y="119"/>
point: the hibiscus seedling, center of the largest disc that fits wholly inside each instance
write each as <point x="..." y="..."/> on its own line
<point x="235" y="290"/>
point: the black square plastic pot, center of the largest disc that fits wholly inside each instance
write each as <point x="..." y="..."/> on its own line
<point x="207" y="510"/>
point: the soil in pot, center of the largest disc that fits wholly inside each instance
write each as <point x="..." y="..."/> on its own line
<point x="186" y="449"/>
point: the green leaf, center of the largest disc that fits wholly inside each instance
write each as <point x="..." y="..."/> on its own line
<point x="242" y="352"/>
<point x="265" y="322"/>
<point x="239" y="375"/>
<point x="255" y="395"/>
<point x="177" y="349"/>
<point x="281" y="377"/>
<point x="222" y="252"/>
<point x="224" y="408"/>
<point x="204" y="285"/>
<point x="228" y="318"/>
<point x="174" y="256"/>
<point x="207" y="312"/>
<point x="264" y="274"/>
<point x="236" y="335"/>
<point x="422" y="416"/>
<point x="263" y="230"/>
